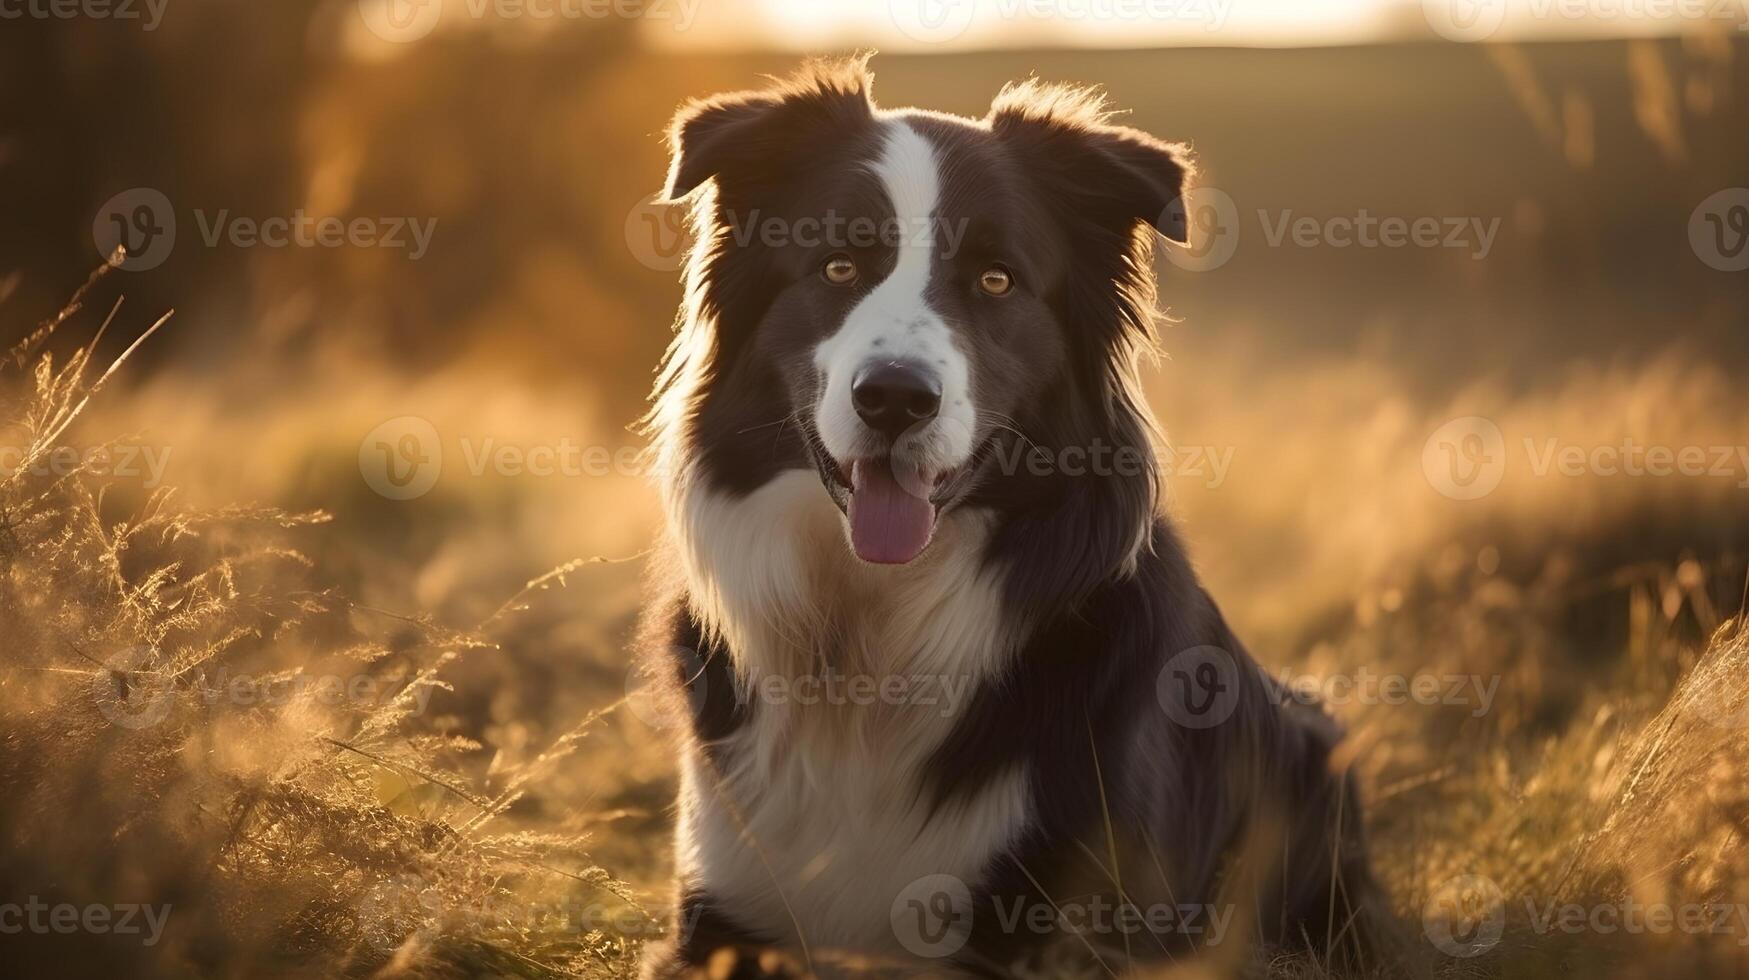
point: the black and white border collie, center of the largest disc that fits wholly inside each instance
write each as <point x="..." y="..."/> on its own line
<point x="892" y="317"/>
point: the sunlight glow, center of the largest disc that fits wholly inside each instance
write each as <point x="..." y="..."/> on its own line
<point x="956" y="25"/>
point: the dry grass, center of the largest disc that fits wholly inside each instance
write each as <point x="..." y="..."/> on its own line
<point x="191" y="717"/>
<point x="448" y="821"/>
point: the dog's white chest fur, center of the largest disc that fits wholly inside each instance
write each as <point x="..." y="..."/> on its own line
<point x="814" y="815"/>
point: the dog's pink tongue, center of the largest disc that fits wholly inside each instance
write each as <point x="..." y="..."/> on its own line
<point x="887" y="525"/>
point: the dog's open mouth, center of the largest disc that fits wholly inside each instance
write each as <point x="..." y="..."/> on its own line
<point x="893" y="507"/>
<point x="891" y="515"/>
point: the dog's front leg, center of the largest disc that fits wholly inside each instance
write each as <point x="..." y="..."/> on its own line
<point x="707" y="945"/>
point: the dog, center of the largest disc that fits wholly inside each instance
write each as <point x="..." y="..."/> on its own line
<point x="952" y="708"/>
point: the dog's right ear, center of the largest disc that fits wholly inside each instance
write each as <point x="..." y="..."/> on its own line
<point x="759" y="133"/>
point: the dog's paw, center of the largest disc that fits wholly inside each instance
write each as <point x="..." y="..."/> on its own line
<point x="750" y="963"/>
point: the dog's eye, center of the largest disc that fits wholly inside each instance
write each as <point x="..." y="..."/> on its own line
<point x="996" y="281"/>
<point x="839" y="270"/>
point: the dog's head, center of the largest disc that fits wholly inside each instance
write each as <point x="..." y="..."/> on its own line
<point x="892" y="296"/>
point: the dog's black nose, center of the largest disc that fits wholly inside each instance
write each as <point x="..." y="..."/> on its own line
<point x="891" y="397"/>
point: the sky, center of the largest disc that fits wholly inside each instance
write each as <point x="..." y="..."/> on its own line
<point x="957" y="25"/>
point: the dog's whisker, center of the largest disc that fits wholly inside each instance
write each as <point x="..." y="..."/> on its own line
<point x="765" y="425"/>
<point x="1007" y="423"/>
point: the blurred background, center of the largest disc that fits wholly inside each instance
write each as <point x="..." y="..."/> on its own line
<point x="504" y="288"/>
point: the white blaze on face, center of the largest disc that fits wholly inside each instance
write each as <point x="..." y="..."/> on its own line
<point x="894" y="323"/>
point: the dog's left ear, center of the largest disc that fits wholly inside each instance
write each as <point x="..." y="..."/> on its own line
<point x="1112" y="174"/>
<point x="711" y="137"/>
